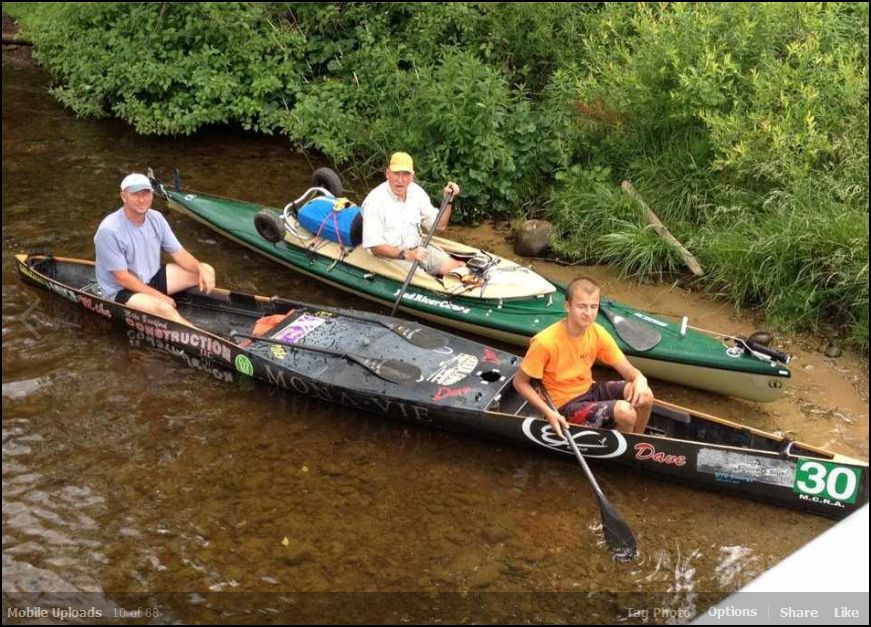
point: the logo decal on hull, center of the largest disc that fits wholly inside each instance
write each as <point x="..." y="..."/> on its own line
<point x="645" y="451"/>
<point x="490" y="356"/>
<point x="819" y="479"/>
<point x="243" y="365"/>
<point x="734" y="467"/>
<point x="592" y="443"/>
<point x="454" y="370"/>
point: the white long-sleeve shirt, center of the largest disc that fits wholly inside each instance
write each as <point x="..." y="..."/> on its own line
<point x="388" y="220"/>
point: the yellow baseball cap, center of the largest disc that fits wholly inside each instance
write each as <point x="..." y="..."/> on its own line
<point x="401" y="162"/>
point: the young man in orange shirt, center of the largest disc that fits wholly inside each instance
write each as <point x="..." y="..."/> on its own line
<point x="562" y="356"/>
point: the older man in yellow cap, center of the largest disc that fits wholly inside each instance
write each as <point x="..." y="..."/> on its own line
<point x="392" y="216"/>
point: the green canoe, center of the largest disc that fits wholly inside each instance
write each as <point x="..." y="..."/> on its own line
<point x="508" y="302"/>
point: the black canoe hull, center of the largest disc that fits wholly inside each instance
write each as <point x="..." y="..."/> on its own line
<point x="466" y="387"/>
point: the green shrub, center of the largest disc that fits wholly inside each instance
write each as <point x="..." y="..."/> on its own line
<point x="743" y="125"/>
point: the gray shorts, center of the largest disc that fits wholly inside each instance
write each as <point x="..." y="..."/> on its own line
<point x="435" y="259"/>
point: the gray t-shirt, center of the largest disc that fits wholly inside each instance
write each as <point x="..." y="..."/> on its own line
<point x="122" y="245"/>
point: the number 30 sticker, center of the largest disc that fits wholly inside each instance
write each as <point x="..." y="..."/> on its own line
<point x="826" y="480"/>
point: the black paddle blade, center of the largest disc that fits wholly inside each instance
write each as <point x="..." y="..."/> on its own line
<point x="638" y="335"/>
<point x="393" y="370"/>
<point x="419" y="336"/>
<point x="618" y="535"/>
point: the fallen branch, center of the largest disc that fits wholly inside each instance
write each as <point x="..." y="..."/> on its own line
<point x="662" y="231"/>
<point x="15" y="40"/>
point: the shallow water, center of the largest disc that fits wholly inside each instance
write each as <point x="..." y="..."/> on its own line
<point x="127" y="470"/>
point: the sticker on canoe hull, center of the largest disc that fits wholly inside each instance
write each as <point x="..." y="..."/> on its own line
<point x="446" y="392"/>
<point x="454" y="370"/>
<point x="591" y="443"/>
<point x="826" y="481"/>
<point x="658" y="323"/>
<point x="738" y="468"/>
<point x="646" y="452"/>
<point x="299" y="328"/>
<point x="434" y="302"/>
<point x="244" y="365"/>
<point x="490" y="356"/>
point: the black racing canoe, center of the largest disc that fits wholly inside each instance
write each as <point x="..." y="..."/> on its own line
<point x="379" y="364"/>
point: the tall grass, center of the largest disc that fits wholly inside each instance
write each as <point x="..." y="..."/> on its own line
<point x="805" y="263"/>
<point x="745" y="127"/>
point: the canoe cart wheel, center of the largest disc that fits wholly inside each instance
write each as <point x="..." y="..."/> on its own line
<point x="329" y="180"/>
<point x="761" y="337"/>
<point x="269" y="225"/>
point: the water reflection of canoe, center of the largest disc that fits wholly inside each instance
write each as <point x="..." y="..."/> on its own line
<point x="394" y="367"/>
<point x="507" y="302"/>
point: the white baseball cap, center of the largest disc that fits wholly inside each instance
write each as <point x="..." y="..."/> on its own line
<point x="135" y="183"/>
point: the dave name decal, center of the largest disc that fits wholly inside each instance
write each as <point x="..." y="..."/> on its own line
<point x="646" y="452"/>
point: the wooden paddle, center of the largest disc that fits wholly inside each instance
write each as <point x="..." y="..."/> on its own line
<point x="637" y="334"/>
<point x="618" y="535"/>
<point x="446" y="200"/>
<point x="392" y="370"/>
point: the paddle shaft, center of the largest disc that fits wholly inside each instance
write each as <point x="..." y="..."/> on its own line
<point x="446" y="200"/>
<point x="568" y="437"/>
<point x="618" y="535"/>
<point x="419" y="336"/>
<point x="402" y="372"/>
<point x="316" y="349"/>
<point x="232" y="310"/>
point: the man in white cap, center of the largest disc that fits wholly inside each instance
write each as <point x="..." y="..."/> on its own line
<point x="393" y="213"/>
<point x="128" y="244"/>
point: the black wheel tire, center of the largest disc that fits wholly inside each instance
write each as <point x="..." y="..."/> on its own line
<point x="329" y="180"/>
<point x="269" y="226"/>
<point x="761" y="337"/>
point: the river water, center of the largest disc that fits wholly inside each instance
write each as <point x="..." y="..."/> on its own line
<point x="152" y="491"/>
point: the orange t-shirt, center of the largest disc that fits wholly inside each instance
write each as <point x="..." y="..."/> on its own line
<point x="564" y="363"/>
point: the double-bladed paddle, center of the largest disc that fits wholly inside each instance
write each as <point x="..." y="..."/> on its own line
<point x="446" y="200"/>
<point x="392" y="370"/>
<point x="638" y="335"/>
<point x="419" y="336"/>
<point x="618" y="535"/>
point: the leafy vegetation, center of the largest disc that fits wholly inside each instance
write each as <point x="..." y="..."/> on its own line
<point x="744" y="126"/>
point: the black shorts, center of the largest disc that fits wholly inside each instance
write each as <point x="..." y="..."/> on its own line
<point x="158" y="282"/>
<point x="596" y="406"/>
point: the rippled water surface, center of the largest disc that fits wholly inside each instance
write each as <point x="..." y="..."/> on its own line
<point x="127" y="470"/>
